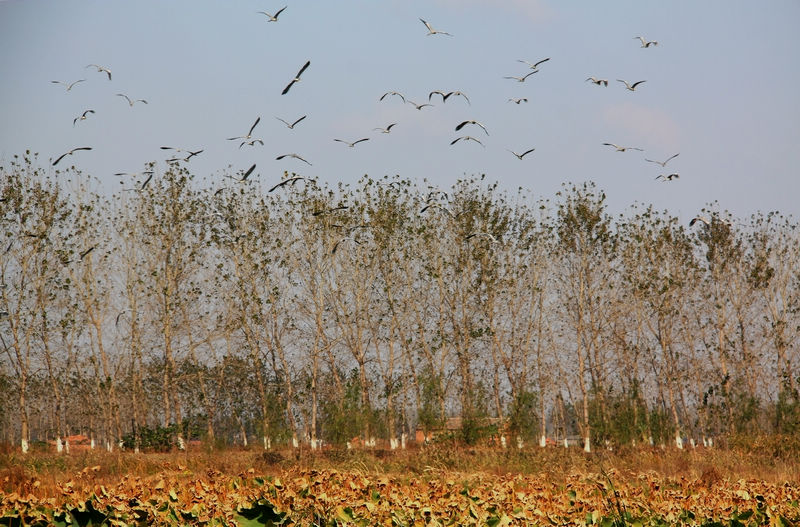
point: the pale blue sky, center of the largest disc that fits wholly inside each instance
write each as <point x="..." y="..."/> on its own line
<point x="721" y="89"/>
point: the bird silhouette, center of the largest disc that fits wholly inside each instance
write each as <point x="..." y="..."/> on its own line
<point x="296" y="78"/>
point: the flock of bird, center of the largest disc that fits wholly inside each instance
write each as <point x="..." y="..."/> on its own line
<point x="248" y="139"/>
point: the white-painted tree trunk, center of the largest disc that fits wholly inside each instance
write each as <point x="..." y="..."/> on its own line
<point x="66" y="446"/>
<point x="520" y="444"/>
<point x="566" y="443"/>
<point x="587" y="444"/>
<point x="267" y="443"/>
<point x="679" y="441"/>
<point x="59" y="445"/>
<point x="403" y="438"/>
<point x="543" y="441"/>
<point x="295" y="443"/>
<point x="24" y="446"/>
<point x="181" y="443"/>
<point x="503" y="442"/>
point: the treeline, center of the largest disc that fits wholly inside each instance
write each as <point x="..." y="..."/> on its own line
<point x="316" y="313"/>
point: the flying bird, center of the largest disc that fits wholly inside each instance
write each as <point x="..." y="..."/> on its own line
<point x="534" y="66"/>
<point x="521" y="79"/>
<point x="249" y="133"/>
<point x="87" y="251"/>
<point x="387" y="129"/>
<point x="631" y="87"/>
<point x="346" y="238"/>
<point x="436" y="206"/>
<point x="292" y="155"/>
<point x="487" y="234"/>
<point x="432" y="31"/>
<point x="68" y="85"/>
<point x="251" y="142"/>
<point x="448" y="94"/>
<point x="523" y="154"/>
<point x="354" y="143"/>
<point x="131" y="102"/>
<point x="62" y="156"/>
<point x="623" y="148"/>
<point x="246" y="174"/>
<point x="273" y="18"/>
<point x="146" y="181"/>
<point x="418" y="106"/>
<point x="466" y="138"/>
<point x="296" y="78"/>
<point x="646" y="43"/>
<point x="702" y="219"/>
<point x="599" y="82"/>
<point x="393" y="93"/>
<point x="187" y="158"/>
<point x="292" y="180"/>
<point x="517" y="101"/>
<point x="291" y="126"/>
<point x="82" y="117"/>
<point x="101" y="69"/>
<point x="669" y="177"/>
<point x="663" y="163"/>
<point x="460" y="126"/>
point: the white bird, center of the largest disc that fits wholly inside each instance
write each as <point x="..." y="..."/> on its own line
<point x="296" y="78"/>
<point x="448" y="94"/>
<point x="62" y="156"/>
<point x="523" y="154"/>
<point x="292" y="180"/>
<point x="187" y="158"/>
<point x="534" y="66"/>
<point x="273" y="18"/>
<point x="68" y="85"/>
<point x="599" y="82"/>
<point x="101" y="69"/>
<point x="482" y="233"/>
<point x="392" y="93"/>
<point x="460" y="126"/>
<point x="519" y="100"/>
<point x="246" y="174"/>
<point x="82" y="117"/>
<point x="466" y="138"/>
<point x="387" y="129"/>
<point x="251" y="142"/>
<point x="645" y="43"/>
<point x="432" y="31"/>
<point x="354" y="143"/>
<point x="436" y="206"/>
<point x="131" y="102"/>
<point x="663" y="163"/>
<point x="521" y="79"/>
<point x="249" y="133"/>
<point x="623" y="148"/>
<point x="345" y="239"/>
<point x="669" y="177"/>
<point x="700" y="218"/>
<point x="418" y="106"/>
<point x="631" y="87"/>
<point x="292" y="155"/>
<point x="291" y="126"/>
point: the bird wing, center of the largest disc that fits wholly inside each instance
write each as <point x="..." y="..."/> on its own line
<point x="672" y="157"/>
<point x="254" y="125"/>
<point x="297" y="121"/>
<point x="390" y="126"/>
<point x="126" y="98"/>
<point x="279" y="12"/>
<point x="288" y="86"/>
<point x="527" y="152"/>
<point x="460" y="126"/>
<point x="427" y="25"/>
<point x="611" y="144"/>
<point x="60" y="158"/>
<point x="146" y="181"/>
<point x="249" y="171"/>
<point x="454" y="141"/>
<point x="656" y="162"/>
<point x="529" y="74"/>
<point x="541" y="61"/>
<point x="80" y="148"/>
<point x="635" y="84"/>
<point x="624" y="82"/>
<point x="306" y="65"/>
<point x="343" y="141"/>
<point x="361" y="140"/>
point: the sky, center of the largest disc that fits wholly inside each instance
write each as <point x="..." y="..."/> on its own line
<point x="721" y="89"/>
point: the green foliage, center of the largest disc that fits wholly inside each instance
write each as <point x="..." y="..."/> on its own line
<point x="523" y="418"/>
